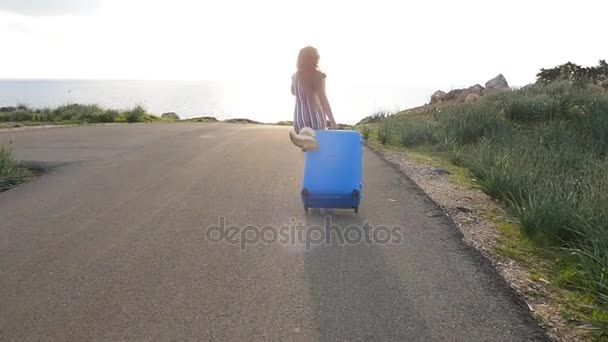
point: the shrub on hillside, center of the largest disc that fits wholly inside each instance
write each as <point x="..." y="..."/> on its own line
<point x="594" y="125"/>
<point x="366" y="132"/>
<point x="136" y="114"/>
<point x="573" y="72"/>
<point x="414" y="131"/>
<point x="467" y="124"/>
<point x="384" y="132"/>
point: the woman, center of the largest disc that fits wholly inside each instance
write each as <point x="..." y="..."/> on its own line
<point x="312" y="109"/>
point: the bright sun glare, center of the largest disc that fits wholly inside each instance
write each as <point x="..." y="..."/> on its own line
<point x="409" y="43"/>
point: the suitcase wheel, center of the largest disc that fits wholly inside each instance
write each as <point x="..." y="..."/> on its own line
<point x="356" y="209"/>
<point x="306" y="209"/>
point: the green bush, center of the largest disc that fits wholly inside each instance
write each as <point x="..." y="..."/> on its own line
<point x="16" y="115"/>
<point x="559" y="100"/>
<point x="532" y="108"/>
<point x="384" y="132"/>
<point x="11" y="172"/>
<point x="109" y="115"/>
<point x="415" y="131"/>
<point x="594" y="124"/>
<point x="573" y="72"/>
<point x="136" y="114"/>
<point x="75" y="113"/>
<point x="467" y="124"/>
<point x="67" y="112"/>
<point x="366" y="132"/>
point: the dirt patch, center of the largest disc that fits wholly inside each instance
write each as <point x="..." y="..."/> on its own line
<point x="467" y="208"/>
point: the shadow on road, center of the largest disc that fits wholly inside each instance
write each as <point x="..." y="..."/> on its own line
<point x="354" y="294"/>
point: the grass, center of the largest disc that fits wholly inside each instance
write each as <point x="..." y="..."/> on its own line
<point x="73" y="114"/>
<point x="11" y="171"/>
<point x="542" y="151"/>
<point x="384" y="132"/>
<point x="23" y="115"/>
<point x="366" y="132"/>
<point x="243" y="121"/>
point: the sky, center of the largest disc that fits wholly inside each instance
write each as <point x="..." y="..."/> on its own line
<point x="441" y="44"/>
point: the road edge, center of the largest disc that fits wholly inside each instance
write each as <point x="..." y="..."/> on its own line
<point x="478" y="255"/>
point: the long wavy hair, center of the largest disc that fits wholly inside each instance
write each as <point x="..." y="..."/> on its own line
<point x="308" y="66"/>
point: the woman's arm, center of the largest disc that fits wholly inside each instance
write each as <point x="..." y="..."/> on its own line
<point x="325" y="104"/>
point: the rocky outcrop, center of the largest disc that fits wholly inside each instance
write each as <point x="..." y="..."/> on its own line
<point x="476" y="89"/>
<point x="459" y="95"/>
<point x="498" y="83"/>
<point x="471" y="98"/>
<point x="464" y="93"/>
<point x="438" y="96"/>
<point x="170" y="115"/>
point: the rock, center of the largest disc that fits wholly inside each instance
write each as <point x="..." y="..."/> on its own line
<point x="497" y="83"/>
<point x="441" y="171"/>
<point x="464" y="209"/>
<point x="456" y="94"/>
<point x="438" y="96"/>
<point x="597" y="87"/>
<point x="170" y="115"/>
<point x="471" y="98"/>
<point x="476" y="89"/>
<point x="462" y="95"/>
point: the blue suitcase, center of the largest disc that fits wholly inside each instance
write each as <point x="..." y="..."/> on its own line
<point x="332" y="173"/>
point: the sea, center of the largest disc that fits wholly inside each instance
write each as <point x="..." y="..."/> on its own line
<point x="223" y="100"/>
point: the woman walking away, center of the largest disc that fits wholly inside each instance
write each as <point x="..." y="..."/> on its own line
<point x="312" y="110"/>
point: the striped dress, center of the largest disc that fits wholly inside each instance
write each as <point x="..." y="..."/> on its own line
<point x="308" y="111"/>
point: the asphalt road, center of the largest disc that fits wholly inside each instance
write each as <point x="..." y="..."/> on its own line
<point x="111" y="242"/>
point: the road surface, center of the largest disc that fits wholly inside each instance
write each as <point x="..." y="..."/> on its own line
<point x="113" y="241"/>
